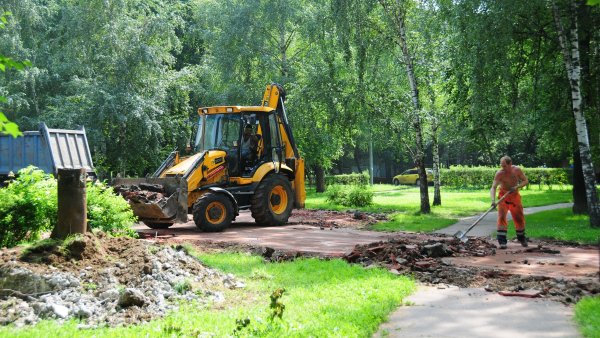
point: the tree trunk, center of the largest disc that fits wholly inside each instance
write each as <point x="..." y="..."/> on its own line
<point x="579" y="196"/>
<point x="570" y="49"/>
<point x="320" y="178"/>
<point x="398" y="17"/>
<point x="283" y="49"/>
<point x="437" y="196"/>
<point x="357" y="158"/>
<point x="72" y="209"/>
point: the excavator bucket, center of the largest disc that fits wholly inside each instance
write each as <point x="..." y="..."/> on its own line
<point x="155" y="199"/>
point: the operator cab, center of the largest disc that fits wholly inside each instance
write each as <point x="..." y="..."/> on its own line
<point x="249" y="139"/>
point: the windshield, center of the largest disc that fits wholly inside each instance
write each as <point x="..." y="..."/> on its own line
<point x="221" y="132"/>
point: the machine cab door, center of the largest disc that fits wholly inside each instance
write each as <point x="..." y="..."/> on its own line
<point x="266" y="144"/>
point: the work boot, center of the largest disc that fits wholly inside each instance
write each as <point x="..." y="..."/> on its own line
<point x="501" y="236"/>
<point x="523" y="242"/>
<point x="522" y="239"/>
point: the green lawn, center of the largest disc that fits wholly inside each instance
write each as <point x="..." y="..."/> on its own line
<point x="587" y="316"/>
<point x="403" y="202"/>
<point x="560" y="224"/>
<point x="321" y="298"/>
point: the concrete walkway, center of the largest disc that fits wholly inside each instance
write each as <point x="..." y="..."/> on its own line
<point x="487" y="226"/>
<point x="456" y="313"/>
<point x="473" y="312"/>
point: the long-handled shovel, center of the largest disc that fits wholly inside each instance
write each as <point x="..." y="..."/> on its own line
<point x="462" y="234"/>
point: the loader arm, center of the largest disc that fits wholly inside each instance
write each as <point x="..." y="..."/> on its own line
<point x="274" y="97"/>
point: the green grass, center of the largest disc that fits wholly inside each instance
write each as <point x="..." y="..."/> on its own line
<point x="560" y="224"/>
<point x="587" y="316"/>
<point x="403" y="202"/>
<point x="416" y="222"/>
<point x="321" y="298"/>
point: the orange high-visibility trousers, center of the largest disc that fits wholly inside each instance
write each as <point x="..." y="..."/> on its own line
<point x="513" y="204"/>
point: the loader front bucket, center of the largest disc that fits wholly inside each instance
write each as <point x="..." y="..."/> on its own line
<point x="156" y="200"/>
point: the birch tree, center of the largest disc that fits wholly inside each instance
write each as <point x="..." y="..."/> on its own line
<point x="396" y="10"/>
<point x="569" y="43"/>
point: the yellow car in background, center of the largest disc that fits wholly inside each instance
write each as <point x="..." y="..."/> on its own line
<point x="411" y="176"/>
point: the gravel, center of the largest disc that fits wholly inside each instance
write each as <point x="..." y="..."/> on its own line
<point x="109" y="294"/>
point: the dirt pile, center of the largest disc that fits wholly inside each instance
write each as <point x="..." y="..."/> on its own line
<point x="424" y="257"/>
<point x="336" y="219"/>
<point x="102" y="281"/>
<point x="142" y="193"/>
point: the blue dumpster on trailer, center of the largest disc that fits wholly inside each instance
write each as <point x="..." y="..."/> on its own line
<point x="47" y="149"/>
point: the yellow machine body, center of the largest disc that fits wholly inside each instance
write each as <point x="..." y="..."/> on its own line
<point x="209" y="186"/>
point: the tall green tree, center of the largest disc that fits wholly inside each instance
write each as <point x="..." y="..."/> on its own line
<point x="108" y="66"/>
<point x="6" y="63"/>
<point x="569" y="42"/>
<point x="396" y="10"/>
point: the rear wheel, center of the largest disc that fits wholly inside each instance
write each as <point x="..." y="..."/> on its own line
<point x="418" y="182"/>
<point x="272" y="201"/>
<point x="156" y="225"/>
<point x="213" y="212"/>
<point x="396" y="181"/>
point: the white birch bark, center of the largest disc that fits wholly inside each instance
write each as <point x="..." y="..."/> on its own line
<point x="397" y="13"/>
<point x="437" y="196"/>
<point x="570" y="49"/>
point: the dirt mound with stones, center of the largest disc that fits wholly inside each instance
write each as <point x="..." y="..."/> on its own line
<point x="336" y="219"/>
<point x="425" y="258"/>
<point x="102" y="281"/>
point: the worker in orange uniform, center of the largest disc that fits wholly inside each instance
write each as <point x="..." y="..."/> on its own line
<point x="510" y="179"/>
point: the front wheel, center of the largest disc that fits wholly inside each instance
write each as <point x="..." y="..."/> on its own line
<point x="272" y="201"/>
<point x="396" y="181"/>
<point x="418" y="182"/>
<point x="213" y="212"/>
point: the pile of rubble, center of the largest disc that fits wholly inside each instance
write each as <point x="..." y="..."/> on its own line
<point x="424" y="259"/>
<point x="142" y="193"/>
<point x="103" y="281"/>
<point x="336" y="219"/>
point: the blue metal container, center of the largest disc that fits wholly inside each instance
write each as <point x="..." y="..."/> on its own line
<point x="47" y="149"/>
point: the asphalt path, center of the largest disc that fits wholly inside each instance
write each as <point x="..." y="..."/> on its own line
<point x="453" y="312"/>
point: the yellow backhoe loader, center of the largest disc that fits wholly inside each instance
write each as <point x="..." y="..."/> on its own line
<point x="244" y="157"/>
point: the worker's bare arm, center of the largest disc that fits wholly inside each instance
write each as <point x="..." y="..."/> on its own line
<point x="494" y="186"/>
<point x="521" y="178"/>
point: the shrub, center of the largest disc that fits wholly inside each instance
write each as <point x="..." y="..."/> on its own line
<point x="359" y="196"/>
<point x="108" y="212"/>
<point x="350" y="196"/>
<point x="28" y="207"/>
<point x="482" y="177"/>
<point x="348" y="179"/>
<point x="467" y="177"/>
<point x="547" y="176"/>
<point x="335" y="194"/>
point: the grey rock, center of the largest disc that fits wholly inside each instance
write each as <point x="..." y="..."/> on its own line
<point x="110" y="294"/>
<point x="23" y="280"/>
<point x="83" y="311"/>
<point x="60" y="310"/>
<point x="131" y="297"/>
<point x="436" y="250"/>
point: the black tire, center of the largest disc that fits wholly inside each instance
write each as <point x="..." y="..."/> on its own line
<point x="418" y="182"/>
<point x="213" y="212"/>
<point x="272" y="201"/>
<point x="156" y="225"/>
<point x="396" y="181"/>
